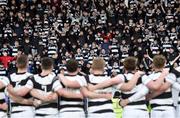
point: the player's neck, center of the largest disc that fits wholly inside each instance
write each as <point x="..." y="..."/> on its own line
<point x="72" y="73"/>
<point x="128" y="71"/>
<point x="158" y="69"/>
<point x="45" y="72"/>
<point x="97" y="72"/>
<point x="21" y="70"/>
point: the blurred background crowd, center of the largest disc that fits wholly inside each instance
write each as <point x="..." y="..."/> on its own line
<point x="84" y="29"/>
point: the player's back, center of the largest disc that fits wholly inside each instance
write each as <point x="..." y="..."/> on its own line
<point x="46" y="84"/>
<point x="100" y="105"/>
<point x="72" y="104"/>
<point x="18" y="80"/>
<point x="163" y="100"/>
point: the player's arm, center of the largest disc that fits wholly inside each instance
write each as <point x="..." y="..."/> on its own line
<point x="162" y="89"/>
<point x="166" y="85"/>
<point x="4" y="106"/>
<point x="110" y="82"/>
<point x="2" y="85"/>
<point x="57" y="87"/>
<point x="41" y="95"/>
<point x="68" y="83"/>
<point x="4" y="81"/>
<point x="155" y="85"/>
<point x="92" y="95"/>
<point x="22" y="91"/>
<point x="21" y="100"/>
<point x="135" y="97"/>
<point x="131" y="83"/>
<point x="68" y="94"/>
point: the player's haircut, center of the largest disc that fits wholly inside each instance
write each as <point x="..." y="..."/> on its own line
<point x="22" y="61"/>
<point x="72" y="65"/>
<point x="159" y="61"/>
<point x="98" y="64"/>
<point x="46" y="63"/>
<point x="130" y="63"/>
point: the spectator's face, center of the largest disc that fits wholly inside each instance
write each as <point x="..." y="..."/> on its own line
<point x="17" y="25"/>
<point x="16" y="43"/>
<point x="11" y="14"/>
<point x="141" y="21"/>
<point x="4" y="53"/>
<point x="173" y="30"/>
<point x="121" y="22"/>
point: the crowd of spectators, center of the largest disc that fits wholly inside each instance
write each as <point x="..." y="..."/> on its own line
<point x="84" y="29"/>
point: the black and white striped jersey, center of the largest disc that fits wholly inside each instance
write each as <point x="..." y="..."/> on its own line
<point x="47" y="84"/>
<point x="177" y="90"/>
<point x="79" y="57"/>
<point x="154" y="48"/>
<point x="173" y="35"/>
<point x="116" y="69"/>
<point x="166" y="46"/>
<point x="62" y="66"/>
<point x="3" y="71"/>
<point x="71" y="104"/>
<point x="44" y="40"/>
<point x="3" y="2"/>
<point x="100" y="105"/>
<point x="124" y="55"/>
<point x="163" y="100"/>
<point x="2" y="93"/>
<point x="114" y="49"/>
<point x="17" y="80"/>
<point x="105" y="57"/>
<point x="20" y="79"/>
<point x="140" y="103"/>
<point x="52" y="50"/>
<point x="14" y="51"/>
<point x="91" y="57"/>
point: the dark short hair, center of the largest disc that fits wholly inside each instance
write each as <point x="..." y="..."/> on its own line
<point x="22" y="61"/>
<point x="130" y="63"/>
<point x="72" y="65"/>
<point x="46" y="63"/>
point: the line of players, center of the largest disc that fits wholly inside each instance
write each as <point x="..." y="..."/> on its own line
<point x="46" y="95"/>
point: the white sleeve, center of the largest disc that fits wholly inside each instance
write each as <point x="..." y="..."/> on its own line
<point x="176" y="86"/>
<point x="171" y="78"/>
<point x="144" y="90"/>
<point x="146" y="79"/>
<point x="56" y="85"/>
<point x="178" y="79"/>
<point x="4" y="80"/>
<point x="29" y="84"/>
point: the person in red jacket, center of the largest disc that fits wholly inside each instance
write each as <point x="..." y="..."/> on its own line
<point x="5" y="59"/>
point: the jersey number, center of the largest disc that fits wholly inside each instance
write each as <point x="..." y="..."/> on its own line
<point x="44" y="88"/>
<point x="17" y="84"/>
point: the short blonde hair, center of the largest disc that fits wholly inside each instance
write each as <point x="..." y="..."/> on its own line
<point x="159" y="61"/>
<point x="98" y="64"/>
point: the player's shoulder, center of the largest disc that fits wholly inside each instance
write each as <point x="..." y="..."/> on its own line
<point x="3" y="77"/>
<point x="81" y="76"/>
<point x="144" y="77"/>
<point x="29" y="74"/>
<point x="120" y="76"/>
<point x="13" y="74"/>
